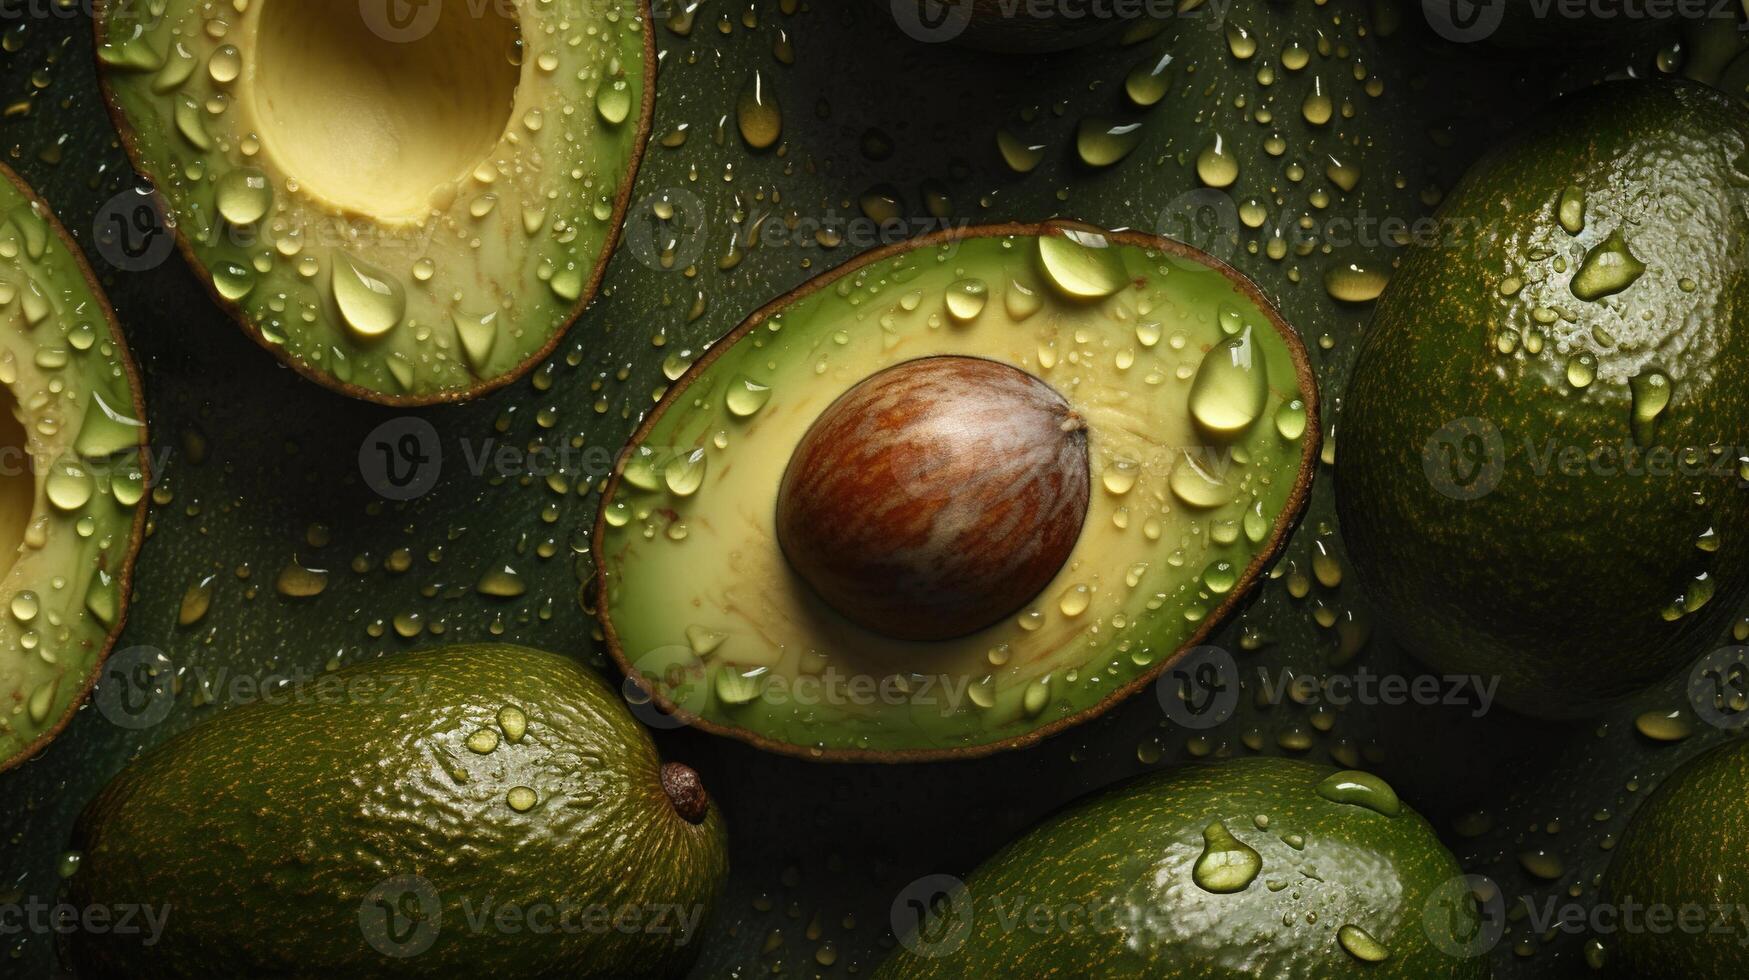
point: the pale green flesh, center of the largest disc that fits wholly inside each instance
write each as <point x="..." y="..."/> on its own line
<point x="77" y="472"/>
<point x="420" y="295"/>
<point x="701" y="599"/>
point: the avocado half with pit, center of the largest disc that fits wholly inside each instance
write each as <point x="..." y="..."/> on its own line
<point x="956" y="495"/>
<point x="408" y="209"/>
<point x="72" y="474"/>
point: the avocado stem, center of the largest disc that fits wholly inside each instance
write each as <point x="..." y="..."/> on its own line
<point x="686" y="792"/>
<point x="1073" y="422"/>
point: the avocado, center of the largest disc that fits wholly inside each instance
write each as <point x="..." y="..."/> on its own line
<point x="390" y="818"/>
<point x="1543" y="464"/>
<point x="957" y="494"/>
<point x="408" y="209"/>
<point x="72" y="474"/>
<point x="1253" y="869"/>
<point x="1679" y="881"/>
<point x="1011" y="26"/>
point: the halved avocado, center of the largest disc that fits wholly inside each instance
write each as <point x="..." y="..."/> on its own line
<point x="406" y="209"/>
<point x="72" y="474"/>
<point x="752" y="524"/>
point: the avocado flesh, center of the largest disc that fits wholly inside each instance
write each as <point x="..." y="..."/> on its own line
<point x="72" y="474"/>
<point x="1125" y="864"/>
<point x="698" y="600"/>
<point x="291" y="811"/>
<point x="407" y="221"/>
<point x="1683" y="850"/>
<point x="1575" y="584"/>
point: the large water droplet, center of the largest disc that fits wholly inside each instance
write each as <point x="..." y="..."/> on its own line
<point x="370" y="300"/>
<point x="1231" y="386"/>
<point x="1361" y="789"/>
<point x="1081" y="264"/>
<point x="1609" y="268"/>
<point x="1227" y="864"/>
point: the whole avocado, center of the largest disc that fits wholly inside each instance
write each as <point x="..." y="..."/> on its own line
<point x="1680" y="879"/>
<point x="473" y="810"/>
<point x="1543" y="440"/>
<point x="1254" y="869"/>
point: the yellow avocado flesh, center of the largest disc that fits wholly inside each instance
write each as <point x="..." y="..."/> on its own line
<point x="71" y="476"/>
<point x="698" y="597"/>
<point x="408" y="209"/>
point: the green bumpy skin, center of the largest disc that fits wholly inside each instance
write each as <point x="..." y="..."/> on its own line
<point x="1119" y="886"/>
<point x="1682" y="859"/>
<point x="266" y="833"/>
<point x="1544" y="437"/>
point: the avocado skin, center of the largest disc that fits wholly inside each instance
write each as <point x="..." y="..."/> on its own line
<point x="1684" y="849"/>
<point x="1556" y="581"/>
<point x="1136" y="846"/>
<point x="266" y="828"/>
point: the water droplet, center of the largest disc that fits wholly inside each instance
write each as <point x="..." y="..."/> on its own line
<point x="1216" y="166"/>
<point x="243" y="196"/>
<point x="1290" y="419"/>
<point x="757" y="113"/>
<point x="1148" y="82"/>
<point x="69" y="484"/>
<point x="735" y="687"/>
<point x="502" y="582"/>
<point x="1664" y="726"/>
<point x="25" y="606"/>
<point x="1571" y="209"/>
<point x="1609" y="268"/>
<point x="745" y="396"/>
<point x="1581" y="370"/>
<point x="1230" y="389"/>
<point x="684" y="474"/>
<point x="1355" y="281"/>
<point x="1198" y="485"/>
<point x="966" y="299"/>
<point x="298" y="582"/>
<point x="1361" y="945"/>
<point x="1227" y="865"/>
<point x="1650" y="396"/>
<point x="704" y="642"/>
<point x="1361" y="789"/>
<point x="370" y="300"/>
<point x="1082" y="265"/>
<point x="513" y="722"/>
<point x="483" y="741"/>
<point x="521" y="798"/>
<point x="613" y="102"/>
<point x="1101" y="142"/>
<point x="1022" y="157"/>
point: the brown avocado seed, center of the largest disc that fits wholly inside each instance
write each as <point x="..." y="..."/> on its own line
<point x="936" y="497"/>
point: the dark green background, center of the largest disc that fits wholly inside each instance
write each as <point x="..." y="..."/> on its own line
<point x="819" y="852"/>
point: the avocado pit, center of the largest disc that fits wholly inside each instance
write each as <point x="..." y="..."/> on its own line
<point x="937" y="497"/>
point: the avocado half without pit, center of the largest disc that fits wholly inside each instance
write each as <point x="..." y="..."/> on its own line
<point x="956" y="495"/>
<point x="406" y="209"/>
<point x="72" y="474"/>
